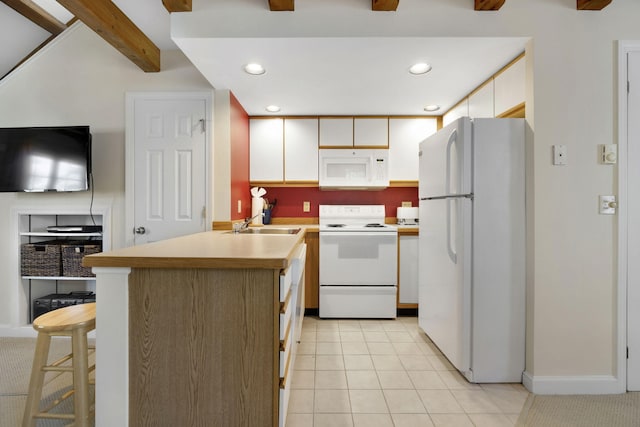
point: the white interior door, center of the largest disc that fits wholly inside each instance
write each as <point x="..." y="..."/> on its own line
<point x="633" y="213"/>
<point x="169" y="176"/>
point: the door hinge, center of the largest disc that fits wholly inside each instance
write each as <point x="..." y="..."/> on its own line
<point x="627" y="352"/>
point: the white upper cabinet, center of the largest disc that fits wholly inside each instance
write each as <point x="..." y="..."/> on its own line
<point x="336" y="132"/>
<point x="404" y="137"/>
<point x="266" y="149"/>
<point x="510" y="87"/>
<point x="300" y="150"/>
<point x="481" y="102"/>
<point x="460" y="110"/>
<point x="371" y="132"/>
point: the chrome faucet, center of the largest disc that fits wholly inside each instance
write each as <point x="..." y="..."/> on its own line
<point x="239" y="227"/>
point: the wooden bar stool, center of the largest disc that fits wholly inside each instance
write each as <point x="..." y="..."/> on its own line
<point x="74" y="321"/>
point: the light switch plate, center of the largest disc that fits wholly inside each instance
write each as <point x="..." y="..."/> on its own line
<point x="406" y="204"/>
<point x="306" y="206"/>
<point x="239" y="206"/>
<point x="607" y="205"/>
<point x="559" y="155"/>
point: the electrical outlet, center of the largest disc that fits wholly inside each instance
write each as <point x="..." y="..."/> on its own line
<point x="406" y="204"/>
<point x="239" y="206"/>
<point x="306" y="206"/>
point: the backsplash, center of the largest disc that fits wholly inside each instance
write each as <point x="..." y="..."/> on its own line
<point x="290" y="199"/>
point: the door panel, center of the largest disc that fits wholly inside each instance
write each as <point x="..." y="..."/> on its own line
<point x="170" y="168"/>
<point x="633" y="279"/>
<point x="445" y="161"/>
<point x="444" y="282"/>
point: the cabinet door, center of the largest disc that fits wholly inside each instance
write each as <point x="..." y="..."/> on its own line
<point x="408" y="269"/>
<point x="336" y="132"/>
<point x="510" y="87"/>
<point x="481" y="102"/>
<point x="300" y="150"/>
<point x="460" y="110"/>
<point x="266" y="150"/>
<point x="371" y="132"/>
<point x="404" y="137"/>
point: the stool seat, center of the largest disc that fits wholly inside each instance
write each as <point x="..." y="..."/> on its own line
<point x="67" y="318"/>
<point x="73" y="321"/>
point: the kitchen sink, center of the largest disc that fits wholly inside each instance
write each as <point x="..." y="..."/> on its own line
<point x="268" y="231"/>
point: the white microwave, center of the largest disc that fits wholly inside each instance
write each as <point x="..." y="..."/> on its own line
<point x="356" y="168"/>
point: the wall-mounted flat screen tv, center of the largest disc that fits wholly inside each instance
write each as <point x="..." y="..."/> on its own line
<point x="41" y="159"/>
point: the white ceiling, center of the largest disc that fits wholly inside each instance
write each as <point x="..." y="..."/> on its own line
<point x="309" y="75"/>
<point x="352" y="75"/>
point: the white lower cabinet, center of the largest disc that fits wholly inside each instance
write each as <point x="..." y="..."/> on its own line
<point x="408" y="269"/>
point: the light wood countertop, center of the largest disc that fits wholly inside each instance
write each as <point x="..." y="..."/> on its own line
<point x="210" y="249"/>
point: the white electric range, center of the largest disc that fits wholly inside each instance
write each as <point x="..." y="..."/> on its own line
<point x="358" y="262"/>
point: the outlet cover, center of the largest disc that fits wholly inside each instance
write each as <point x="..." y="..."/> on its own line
<point x="239" y="206"/>
<point x="306" y="206"/>
<point x="406" y="204"/>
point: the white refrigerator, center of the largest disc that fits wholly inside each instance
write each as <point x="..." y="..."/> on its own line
<point x="472" y="246"/>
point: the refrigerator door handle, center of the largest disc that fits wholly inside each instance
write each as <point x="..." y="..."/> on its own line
<point x="449" y="196"/>
<point x="453" y="256"/>
<point x="452" y="139"/>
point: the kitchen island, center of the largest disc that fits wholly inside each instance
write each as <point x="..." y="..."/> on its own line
<point x="197" y="330"/>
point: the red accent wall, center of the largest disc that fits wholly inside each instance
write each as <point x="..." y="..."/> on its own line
<point x="239" y="160"/>
<point x="289" y="200"/>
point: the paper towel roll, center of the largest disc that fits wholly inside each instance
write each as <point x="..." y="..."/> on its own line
<point x="257" y="204"/>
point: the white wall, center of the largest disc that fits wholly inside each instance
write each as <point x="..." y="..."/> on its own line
<point x="79" y="79"/>
<point x="571" y="260"/>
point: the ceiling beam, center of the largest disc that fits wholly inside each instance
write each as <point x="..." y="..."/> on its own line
<point x="104" y="17"/>
<point x="488" y="4"/>
<point x="592" y="4"/>
<point x="177" y="5"/>
<point x="37" y="15"/>
<point x="384" y="5"/>
<point x="281" y="5"/>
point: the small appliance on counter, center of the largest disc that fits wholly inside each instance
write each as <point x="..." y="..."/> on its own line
<point x="407" y="216"/>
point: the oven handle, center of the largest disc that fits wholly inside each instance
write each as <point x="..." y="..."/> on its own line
<point x="358" y="233"/>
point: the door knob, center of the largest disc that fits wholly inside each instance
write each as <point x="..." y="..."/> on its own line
<point x="140" y="230"/>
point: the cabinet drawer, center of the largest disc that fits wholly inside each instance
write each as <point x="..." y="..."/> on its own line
<point x="286" y="353"/>
<point x="284" y="405"/>
<point x="286" y="310"/>
<point x="285" y="284"/>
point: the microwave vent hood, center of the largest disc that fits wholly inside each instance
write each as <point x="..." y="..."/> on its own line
<point x="353" y="169"/>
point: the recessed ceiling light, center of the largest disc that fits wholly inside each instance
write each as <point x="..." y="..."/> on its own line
<point x="254" y="69"/>
<point x="272" y="108"/>
<point x="431" y="108"/>
<point x="420" y="68"/>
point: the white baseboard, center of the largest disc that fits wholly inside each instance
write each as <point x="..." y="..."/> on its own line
<point x="587" y="384"/>
<point x="17" y="331"/>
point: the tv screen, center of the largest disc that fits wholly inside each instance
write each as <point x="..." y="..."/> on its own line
<point x="38" y="159"/>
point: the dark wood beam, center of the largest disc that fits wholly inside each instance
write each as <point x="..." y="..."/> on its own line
<point x="384" y="5"/>
<point x="281" y="5"/>
<point x="104" y="17"/>
<point x="488" y="4"/>
<point x="592" y="4"/>
<point x="37" y="15"/>
<point x="177" y="5"/>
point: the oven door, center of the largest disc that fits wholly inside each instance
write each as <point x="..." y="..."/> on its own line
<point x="358" y="258"/>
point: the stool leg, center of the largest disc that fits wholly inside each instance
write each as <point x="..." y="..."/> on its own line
<point x="37" y="379"/>
<point x="80" y="377"/>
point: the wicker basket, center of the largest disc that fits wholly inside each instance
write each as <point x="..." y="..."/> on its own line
<point x="72" y="254"/>
<point x="41" y="259"/>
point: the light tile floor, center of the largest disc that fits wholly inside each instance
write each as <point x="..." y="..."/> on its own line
<point x="388" y="373"/>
